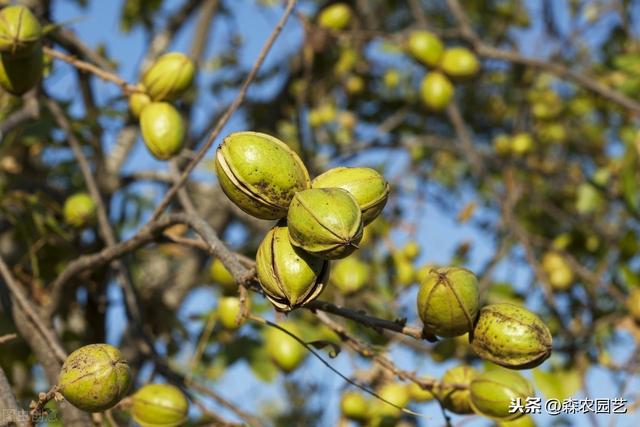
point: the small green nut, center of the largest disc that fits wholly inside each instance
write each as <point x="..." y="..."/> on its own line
<point x="511" y="336"/>
<point x="558" y="271"/>
<point x="219" y="274"/>
<point x="229" y="311"/>
<point x="169" y="76"/>
<point x="411" y="249"/>
<point x="18" y="75"/>
<point x="426" y="47"/>
<point x="335" y="17"/>
<point x="79" y="210"/>
<point x="137" y="102"/>
<point x="95" y="377"/>
<point x="159" y="405"/>
<point x="349" y="275"/>
<point x="448" y="301"/>
<point x="404" y="272"/>
<point x="366" y="185"/>
<point x="521" y="144"/>
<point x="436" y="91"/>
<point x="492" y="393"/>
<point x="289" y="276"/>
<point x="20" y="32"/>
<point x="354" y="406"/>
<point x="459" y="62"/>
<point x="260" y="173"/>
<point x="326" y="222"/>
<point x="394" y="392"/>
<point x="163" y="130"/>
<point x="284" y="350"/>
<point x="454" y="399"/>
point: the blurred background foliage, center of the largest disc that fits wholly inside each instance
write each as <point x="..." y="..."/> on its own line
<point x="529" y="177"/>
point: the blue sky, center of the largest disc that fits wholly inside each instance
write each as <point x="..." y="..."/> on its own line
<point x="99" y="25"/>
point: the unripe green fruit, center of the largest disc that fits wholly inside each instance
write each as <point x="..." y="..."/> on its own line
<point x="354" y="85"/>
<point x="411" y="249"/>
<point x="633" y="304"/>
<point x="228" y="311"/>
<point x="391" y="78"/>
<point x="394" y="392"/>
<point x="588" y="199"/>
<point x="169" y="76"/>
<point x="284" y="350"/>
<point x="354" y="406"/>
<point x="160" y="405"/>
<point x="425" y="47"/>
<point x="492" y="393"/>
<point x="502" y="144"/>
<point x="448" y="301"/>
<point x="79" y="210"/>
<point x="366" y="185"/>
<point x="162" y="129"/>
<point x="94" y="378"/>
<point x="455" y="400"/>
<point x="260" y="173"/>
<point x="335" y="17"/>
<point x="19" y="75"/>
<point x="219" y="274"/>
<point x="404" y="272"/>
<point x="459" y="62"/>
<point x="418" y="394"/>
<point x="557" y="270"/>
<point x="511" y="336"/>
<point x="436" y="91"/>
<point x="349" y="275"/>
<point x="137" y="102"/>
<point x="521" y="143"/>
<point x="326" y="222"/>
<point x="20" y="32"/>
<point x="289" y="276"/>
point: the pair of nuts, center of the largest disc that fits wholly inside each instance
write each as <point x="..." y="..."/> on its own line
<point x="506" y="334"/>
<point x="21" y="58"/>
<point x="489" y="394"/>
<point x="96" y="377"/>
<point x="324" y="218"/>
<point x="162" y="126"/>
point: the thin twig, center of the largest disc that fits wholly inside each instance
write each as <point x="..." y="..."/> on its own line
<point x="93" y="69"/>
<point x="227" y="115"/>
<point x="7" y="338"/>
<point x="26" y="306"/>
<point x="202" y="344"/>
<point x="37" y="408"/>
<point x="328" y="365"/>
<point x="250" y="419"/>
<point x="145" y="235"/>
<point x="106" y="230"/>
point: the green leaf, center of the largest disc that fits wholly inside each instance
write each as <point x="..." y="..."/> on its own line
<point x="557" y="384"/>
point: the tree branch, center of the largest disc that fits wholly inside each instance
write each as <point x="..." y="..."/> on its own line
<point x="9" y="409"/>
<point x="126" y="88"/>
